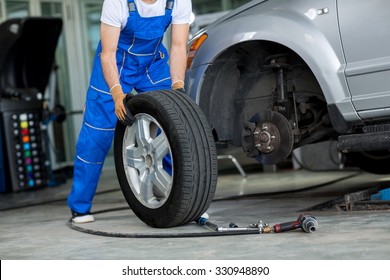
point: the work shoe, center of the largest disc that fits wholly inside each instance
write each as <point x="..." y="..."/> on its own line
<point x="79" y="218"/>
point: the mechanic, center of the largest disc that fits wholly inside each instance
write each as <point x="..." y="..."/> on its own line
<point x="130" y="55"/>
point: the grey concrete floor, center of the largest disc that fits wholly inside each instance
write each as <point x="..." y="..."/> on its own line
<point x="33" y="225"/>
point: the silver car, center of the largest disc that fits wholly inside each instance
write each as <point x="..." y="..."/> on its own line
<point x="275" y="75"/>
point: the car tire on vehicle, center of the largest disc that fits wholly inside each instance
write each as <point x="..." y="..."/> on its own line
<point x="168" y="127"/>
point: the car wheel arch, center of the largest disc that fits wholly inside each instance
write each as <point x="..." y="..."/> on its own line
<point x="223" y="84"/>
<point x="323" y="56"/>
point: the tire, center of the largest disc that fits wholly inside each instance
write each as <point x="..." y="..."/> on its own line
<point x="377" y="162"/>
<point x="168" y="126"/>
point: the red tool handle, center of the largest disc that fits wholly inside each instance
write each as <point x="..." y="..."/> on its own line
<point x="287" y="226"/>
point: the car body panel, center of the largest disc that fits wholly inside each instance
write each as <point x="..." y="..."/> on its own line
<point x="314" y="37"/>
<point x="367" y="53"/>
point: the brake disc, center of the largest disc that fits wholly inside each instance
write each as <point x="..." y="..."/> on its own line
<point x="273" y="138"/>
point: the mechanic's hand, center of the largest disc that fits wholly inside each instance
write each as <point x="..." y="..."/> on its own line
<point x="129" y="118"/>
<point x="118" y="96"/>
<point x="179" y="86"/>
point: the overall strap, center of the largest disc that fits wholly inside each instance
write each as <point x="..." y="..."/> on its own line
<point x="132" y="6"/>
<point x="169" y="5"/>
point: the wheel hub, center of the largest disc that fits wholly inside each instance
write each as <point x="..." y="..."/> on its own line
<point x="149" y="161"/>
<point x="266" y="137"/>
<point x="273" y="138"/>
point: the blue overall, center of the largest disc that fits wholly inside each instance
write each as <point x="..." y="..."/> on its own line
<point x="142" y="62"/>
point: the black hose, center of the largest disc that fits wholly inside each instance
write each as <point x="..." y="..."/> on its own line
<point x="155" y="235"/>
<point x="151" y="235"/>
<point x="186" y="234"/>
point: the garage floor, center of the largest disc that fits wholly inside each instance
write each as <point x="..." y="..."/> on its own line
<point x="33" y="225"/>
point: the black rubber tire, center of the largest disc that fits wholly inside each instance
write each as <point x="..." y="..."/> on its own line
<point x="376" y="162"/>
<point x="193" y="154"/>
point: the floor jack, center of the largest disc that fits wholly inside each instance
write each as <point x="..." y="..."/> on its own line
<point x="307" y="223"/>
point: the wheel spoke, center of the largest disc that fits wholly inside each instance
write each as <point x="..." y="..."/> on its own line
<point x="143" y="132"/>
<point x="134" y="177"/>
<point x="146" y="187"/>
<point x="134" y="157"/>
<point x="161" y="146"/>
<point x="162" y="180"/>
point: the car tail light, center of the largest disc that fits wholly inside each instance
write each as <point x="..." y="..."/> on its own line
<point x="195" y="45"/>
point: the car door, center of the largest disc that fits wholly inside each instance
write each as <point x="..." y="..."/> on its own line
<point x="365" y="36"/>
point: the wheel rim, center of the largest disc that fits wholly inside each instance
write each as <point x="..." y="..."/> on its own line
<point x="145" y="146"/>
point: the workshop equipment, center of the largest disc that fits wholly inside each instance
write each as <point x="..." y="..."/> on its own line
<point x="371" y="199"/>
<point x="26" y="60"/>
<point x="307" y="223"/>
<point x="253" y="228"/>
<point x="382" y="195"/>
<point x="22" y="150"/>
<point x="233" y="229"/>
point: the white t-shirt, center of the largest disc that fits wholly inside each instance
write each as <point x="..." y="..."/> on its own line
<point x="116" y="12"/>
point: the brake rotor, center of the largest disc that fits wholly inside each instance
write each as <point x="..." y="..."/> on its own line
<point x="273" y="137"/>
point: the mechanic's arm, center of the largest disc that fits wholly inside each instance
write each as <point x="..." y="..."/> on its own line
<point x="178" y="54"/>
<point x="109" y="36"/>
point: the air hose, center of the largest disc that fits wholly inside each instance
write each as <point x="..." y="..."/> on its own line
<point x="233" y="229"/>
<point x="154" y="235"/>
<point x="151" y="235"/>
<point x="212" y="228"/>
